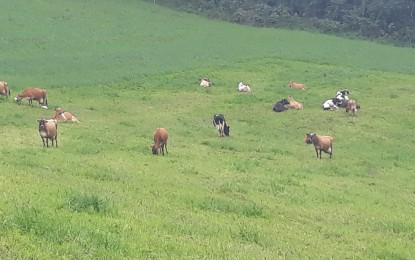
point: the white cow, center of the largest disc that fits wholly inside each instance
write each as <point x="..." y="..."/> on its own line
<point x="243" y="88"/>
<point x="205" y="83"/>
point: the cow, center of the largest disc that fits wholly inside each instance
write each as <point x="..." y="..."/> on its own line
<point x="31" y="94"/>
<point x="4" y="89"/>
<point x="294" y="104"/>
<point x="280" y="106"/>
<point x="321" y="143"/>
<point x="330" y="104"/>
<point x="220" y="123"/>
<point x="352" y="107"/>
<point x="243" y="87"/>
<point x="343" y="94"/>
<point x="61" y="115"/>
<point x="48" y="129"/>
<point x="296" y="85"/>
<point x="160" y="137"/>
<point x="205" y="82"/>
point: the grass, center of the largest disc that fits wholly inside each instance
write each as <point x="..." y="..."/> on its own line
<point x="260" y="193"/>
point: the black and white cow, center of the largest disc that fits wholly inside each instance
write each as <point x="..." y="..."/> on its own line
<point x="220" y="123"/>
<point x="280" y="106"/>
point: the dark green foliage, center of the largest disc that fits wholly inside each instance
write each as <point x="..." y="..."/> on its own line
<point x="383" y="20"/>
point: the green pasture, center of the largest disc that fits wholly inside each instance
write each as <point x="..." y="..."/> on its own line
<point x="127" y="67"/>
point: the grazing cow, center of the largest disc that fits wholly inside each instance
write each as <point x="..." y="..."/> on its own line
<point x="33" y="94"/>
<point x="330" y="104"/>
<point x="296" y="85"/>
<point x="294" y="104"/>
<point x="48" y="129"/>
<point x="321" y="143"/>
<point x="160" y="141"/>
<point x="220" y="123"/>
<point x="61" y="115"/>
<point x="205" y="82"/>
<point x="352" y="107"/>
<point x="243" y="87"/>
<point x="280" y="106"/>
<point x="4" y="89"/>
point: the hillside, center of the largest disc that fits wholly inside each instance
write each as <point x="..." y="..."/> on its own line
<point x="127" y="67"/>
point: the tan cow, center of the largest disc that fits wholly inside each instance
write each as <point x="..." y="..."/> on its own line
<point x="4" y="89"/>
<point x="31" y="94"/>
<point x="294" y="104"/>
<point x="48" y="129"/>
<point x="63" y="116"/>
<point x="296" y="85"/>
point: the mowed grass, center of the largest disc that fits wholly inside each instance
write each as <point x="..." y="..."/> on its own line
<point x="260" y="193"/>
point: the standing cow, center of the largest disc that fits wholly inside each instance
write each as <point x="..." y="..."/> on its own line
<point x="31" y="94"/>
<point x="4" y="89"/>
<point x="220" y="123"/>
<point x="48" y="129"/>
<point x="160" y="137"/>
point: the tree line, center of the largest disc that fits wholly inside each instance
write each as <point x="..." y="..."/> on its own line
<point x="391" y="21"/>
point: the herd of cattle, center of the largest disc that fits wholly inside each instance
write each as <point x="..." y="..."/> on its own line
<point x="321" y="143"/>
<point x="48" y="128"/>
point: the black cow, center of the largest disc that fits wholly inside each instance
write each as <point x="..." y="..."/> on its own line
<point x="220" y="123"/>
<point x="280" y="106"/>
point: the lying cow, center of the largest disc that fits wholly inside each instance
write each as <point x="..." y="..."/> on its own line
<point x="48" y="129"/>
<point x="330" y="104"/>
<point x="243" y="87"/>
<point x="4" y="89"/>
<point x="205" y="82"/>
<point x="61" y="115"/>
<point x="33" y="94"/>
<point x="296" y="85"/>
<point x="220" y="123"/>
<point x="294" y="104"/>
<point x="280" y="106"/>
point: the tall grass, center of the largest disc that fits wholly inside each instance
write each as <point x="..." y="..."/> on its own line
<point x="260" y="193"/>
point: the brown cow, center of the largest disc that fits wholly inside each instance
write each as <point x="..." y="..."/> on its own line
<point x="321" y="143"/>
<point x="48" y="129"/>
<point x="352" y="107"/>
<point x="31" y="94"/>
<point x="160" y="141"/>
<point x="4" y="89"/>
<point x="61" y="115"/>
<point x="296" y="85"/>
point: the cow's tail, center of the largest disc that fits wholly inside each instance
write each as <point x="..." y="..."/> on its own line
<point x="46" y="101"/>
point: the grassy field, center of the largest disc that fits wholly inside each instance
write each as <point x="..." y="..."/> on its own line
<point x="127" y="67"/>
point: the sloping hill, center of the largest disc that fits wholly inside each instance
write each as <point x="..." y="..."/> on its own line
<point x="126" y="67"/>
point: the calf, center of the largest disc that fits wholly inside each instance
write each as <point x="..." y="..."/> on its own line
<point x="48" y="129"/>
<point x="321" y="143"/>
<point x="220" y="123"/>
<point x="33" y="94"/>
<point x="205" y="82"/>
<point x="160" y="141"/>
<point x="296" y="85"/>
<point x="330" y="104"/>
<point x="4" y="89"/>
<point x="352" y="107"/>
<point x="61" y="115"/>
<point x="280" y="106"/>
<point x="294" y="104"/>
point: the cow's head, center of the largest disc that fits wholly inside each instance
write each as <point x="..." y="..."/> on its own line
<point x="42" y="123"/>
<point x="154" y="150"/>
<point x="284" y="102"/>
<point x="226" y="130"/>
<point x="18" y="98"/>
<point x="309" y="138"/>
